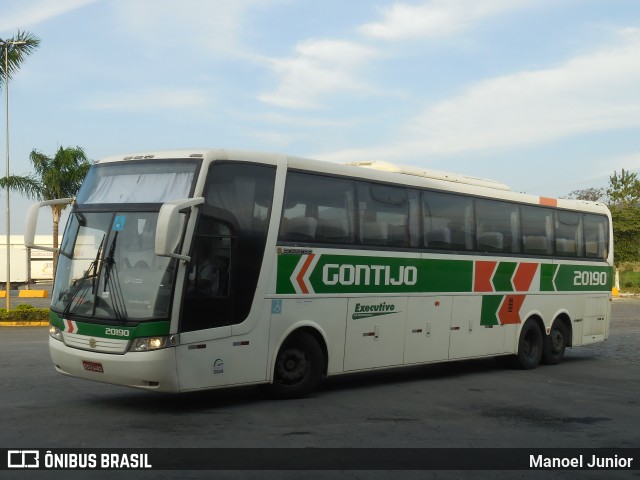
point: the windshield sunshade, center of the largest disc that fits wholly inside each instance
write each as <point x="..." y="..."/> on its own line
<point x="142" y="182"/>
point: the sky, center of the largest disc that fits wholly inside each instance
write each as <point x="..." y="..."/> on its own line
<point x="543" y="95"/>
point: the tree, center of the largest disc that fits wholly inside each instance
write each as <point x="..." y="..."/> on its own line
<point x="591" y="194"/>
<point x="626" y="232"/>
<point x="624" y="190"/>
<point x="17" y="53"/>
<point x="57" y="177"/>
<point x="623" y="195"/>
<point x="624" y="198"/>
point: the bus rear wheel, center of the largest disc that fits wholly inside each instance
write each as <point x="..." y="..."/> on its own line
<point x="298" y="368"/>
<point x="530" y="346"/>
<point x="555" y="344"/>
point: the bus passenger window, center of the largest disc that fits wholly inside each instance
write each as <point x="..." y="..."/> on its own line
<point x="317" y="209"/>
<point x="595" y="236"/>
<point x="448" y="221"/>
<point x="384" y="215"/>
<point x="569" y="241"/>
<point x="537" y="230"/>
<point x="498" y="226"/>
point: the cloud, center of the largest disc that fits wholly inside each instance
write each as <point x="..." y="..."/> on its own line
<point x="592" y="92"/>
<point x="24" y="13"/>
<point x="302" y="121"/>
<point x="437" y="18"/>
<point x="151" y="99"/>
<point x="319" y="67"/>
<point x="199" y="25"/>
<point x="604" y="167"/>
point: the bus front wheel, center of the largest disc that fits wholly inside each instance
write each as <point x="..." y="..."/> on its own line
<point x="298" y="367"/>
<point x="530" y="345"/>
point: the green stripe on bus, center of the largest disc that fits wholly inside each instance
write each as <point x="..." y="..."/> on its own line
<point x="143" y="329"/>
<point x="354" y="274"/>
<point x="367" y="274"/>
<point x="55" y="320"/>
<point x="583" y="278"/>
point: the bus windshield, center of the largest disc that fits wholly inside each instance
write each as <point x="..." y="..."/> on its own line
<point x="108" y="268"/>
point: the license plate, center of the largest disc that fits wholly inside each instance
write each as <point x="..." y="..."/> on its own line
<point x="92" y="366"/>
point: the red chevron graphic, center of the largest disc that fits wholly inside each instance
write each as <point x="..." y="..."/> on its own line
<point x="71" y="326"/>
<point x="524" y="276"/>
<point x="509" y="311"/>
<point x="303" y="270"/>
<point x="483" y="272"/>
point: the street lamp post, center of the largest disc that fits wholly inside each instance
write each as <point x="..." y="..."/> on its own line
<point x="6" y="44"/>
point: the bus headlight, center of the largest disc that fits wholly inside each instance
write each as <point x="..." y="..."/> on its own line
<point x="146" y="344"/>
<point x="55" y="332"/>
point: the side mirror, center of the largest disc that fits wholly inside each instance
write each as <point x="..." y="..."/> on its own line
<point x="171" y="226"/>
<point x="32" y="220"/>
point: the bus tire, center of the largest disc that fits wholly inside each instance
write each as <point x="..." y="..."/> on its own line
<point x="530" y="345"/>
<point x="555" y="344"/>
<point x="298" y="367"/>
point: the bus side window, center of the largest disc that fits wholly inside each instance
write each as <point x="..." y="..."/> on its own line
<point x="234" y="224"/>
<point x="569" y="234"/>
<point x="537" y="230"/>
<point x="317" y="209"/>
<point x="498" y="226"/>
<point x="210" y="261"/>
<point x="384" y="215"/>
<point x="448" y="221"/>
<point x="595" y="236"/>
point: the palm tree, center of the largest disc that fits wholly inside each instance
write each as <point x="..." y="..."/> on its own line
<point x="16" y="54"/>
<point x="57" y="177"/>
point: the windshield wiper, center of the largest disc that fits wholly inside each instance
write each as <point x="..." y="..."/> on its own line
<point x="93" y="266"/>
<point x="112" y="281"/>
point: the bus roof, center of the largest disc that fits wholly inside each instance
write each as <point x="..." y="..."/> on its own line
<point x="373" y="170"/>
<point x="434" y="174"/>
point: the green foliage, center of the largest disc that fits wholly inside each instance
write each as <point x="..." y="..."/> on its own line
<point x="626" y="233"/>
<point x="624" y="189"/>
<point x="623" y="195"/>
<point x="630" y="280"/>
<point x="16" y="54"/>
<point x="24" y="313"/>
<point x="591" y="194"/>
<point x="629" y="277"/>
<point x="59" y="176"/>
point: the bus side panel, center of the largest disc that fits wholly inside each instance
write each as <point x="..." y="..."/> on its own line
<point x="375" y="332"/>
<point x="596" y="315"/>
<point x="324" y="314"/>
<point x="469" y="337"/>
<point x="214" y="358"/>
<point x="428" y="329"/>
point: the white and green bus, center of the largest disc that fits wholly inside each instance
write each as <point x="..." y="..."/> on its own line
<point x="199" y="269"/>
